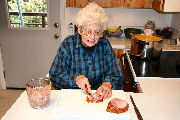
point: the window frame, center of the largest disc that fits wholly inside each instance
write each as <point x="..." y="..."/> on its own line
<point x="26" y="28"/>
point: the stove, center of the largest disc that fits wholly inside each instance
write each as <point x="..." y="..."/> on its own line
<point x="166" y="66"/>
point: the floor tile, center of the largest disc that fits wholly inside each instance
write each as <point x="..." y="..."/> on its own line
<point x="7" y="98"/>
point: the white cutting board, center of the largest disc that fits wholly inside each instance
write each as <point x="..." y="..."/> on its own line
<point x="72" y="104"/>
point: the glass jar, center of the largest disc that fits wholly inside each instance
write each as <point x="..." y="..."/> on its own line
<point x="149" y="28"/>
<point x="38" y="92"/>
<point x="148" y="31"/>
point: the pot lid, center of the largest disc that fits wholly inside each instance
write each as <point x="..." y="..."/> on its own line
<point x="144" y="37"/>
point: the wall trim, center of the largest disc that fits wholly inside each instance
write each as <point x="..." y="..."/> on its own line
<point x="2" y="79"/>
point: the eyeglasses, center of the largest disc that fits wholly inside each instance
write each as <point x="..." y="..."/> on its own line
<point x="96" y="33"/>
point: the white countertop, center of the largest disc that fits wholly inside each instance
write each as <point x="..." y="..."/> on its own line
<point x="21" y="109"/>
<point x="160" y="99"/>
<point x="120" y="43"/>
<point x="124" y="43"/>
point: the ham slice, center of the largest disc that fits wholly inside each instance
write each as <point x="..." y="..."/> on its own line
<point x="117" y="105"/>
<point x="89" y="100"/>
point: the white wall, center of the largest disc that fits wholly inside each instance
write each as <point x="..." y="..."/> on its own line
<point x="176" y="21"/>
<point x="27" y="54"/>
<point x="176" y="25"/>
<point x="125" y="17"/>
<point x="137" y="17"/>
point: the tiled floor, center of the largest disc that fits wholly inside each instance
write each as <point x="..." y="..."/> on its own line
<point x="7" y="98"/>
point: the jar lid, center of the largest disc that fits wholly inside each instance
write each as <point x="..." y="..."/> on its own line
<point x="150" y="25"/>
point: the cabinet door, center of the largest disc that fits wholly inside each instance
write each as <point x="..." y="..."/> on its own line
<point x="171" y="6"/>
<point x="102" y="3"/>
<point x="125" y="3"/>
<point x="157" y="5"/>
<point x="166" y="5"/>
<point x="76" y="3"/>
<point x="111" y="3"/>
<point x="118" y="52"/>
<point x="138" y="3"/>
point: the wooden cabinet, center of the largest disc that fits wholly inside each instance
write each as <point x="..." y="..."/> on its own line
<point x="157" y="5"/>
<point x="118" y="53"/>
<point x="76" y="3"/>
<point x="166" y="5"/>
<point x="111" y="3"/>
<point x="137" y="3"/>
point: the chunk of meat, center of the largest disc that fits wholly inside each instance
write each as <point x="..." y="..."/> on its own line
<point x="117" y="105"/>
<point x="89" y="100"/>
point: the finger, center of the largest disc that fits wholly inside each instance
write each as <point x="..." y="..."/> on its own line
<point x="84" y="90"/>
<point x="81" y="86"/>
<point x="102" y="97"/>
<point x="96" y="97"/>
<point x="110" y="94"/>
<point x="79" y="83"/>
<point x="98" y="93"/>
<point x="99" y="90"/>
<point x="84" y="87"/>
<point x="82" y="83"/>
<point x="101" y="93"/>
<point x="89" y="87"/>
<point x="106" y="95"/>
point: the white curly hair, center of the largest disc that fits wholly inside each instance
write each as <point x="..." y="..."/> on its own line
<point x="92" y="14"/>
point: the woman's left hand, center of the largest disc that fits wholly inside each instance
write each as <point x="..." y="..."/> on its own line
<point x="103" y="92"/>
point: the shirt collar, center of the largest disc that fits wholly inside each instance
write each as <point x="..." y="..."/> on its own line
<point x="79" y="45"/>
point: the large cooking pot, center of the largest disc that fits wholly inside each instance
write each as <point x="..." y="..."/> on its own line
<point x="146" y="46"/>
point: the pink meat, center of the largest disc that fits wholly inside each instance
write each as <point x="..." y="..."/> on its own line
<point x="117" y="105"/>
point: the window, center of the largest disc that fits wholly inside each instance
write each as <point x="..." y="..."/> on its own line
<point x="27" y="13"/>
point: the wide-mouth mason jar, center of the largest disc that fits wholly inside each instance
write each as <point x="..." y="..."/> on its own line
<point x="38" y="92"/>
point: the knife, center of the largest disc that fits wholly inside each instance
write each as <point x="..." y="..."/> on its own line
<point x="136" y="109"/>
<point x="88" y="93"/>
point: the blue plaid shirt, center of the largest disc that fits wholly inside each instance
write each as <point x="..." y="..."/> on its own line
<point x="99" y="64"/>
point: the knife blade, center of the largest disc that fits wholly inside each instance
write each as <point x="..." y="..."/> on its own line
<point x="136" y="109"/>
<point x="88" y="93"/>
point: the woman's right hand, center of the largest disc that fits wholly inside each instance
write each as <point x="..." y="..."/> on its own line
<point x="83" y="81"/>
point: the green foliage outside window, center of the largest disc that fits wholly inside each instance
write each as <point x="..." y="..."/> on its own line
<point x="30" y="6"/>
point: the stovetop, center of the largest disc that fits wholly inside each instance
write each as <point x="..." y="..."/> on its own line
<point x="166" y="66"/>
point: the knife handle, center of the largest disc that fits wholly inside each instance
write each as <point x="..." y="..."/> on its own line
<point x="86" y="88"/>
<point x="136" y="109"/>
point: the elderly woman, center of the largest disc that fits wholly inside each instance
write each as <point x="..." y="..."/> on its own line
<point x="86" y="60"/>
